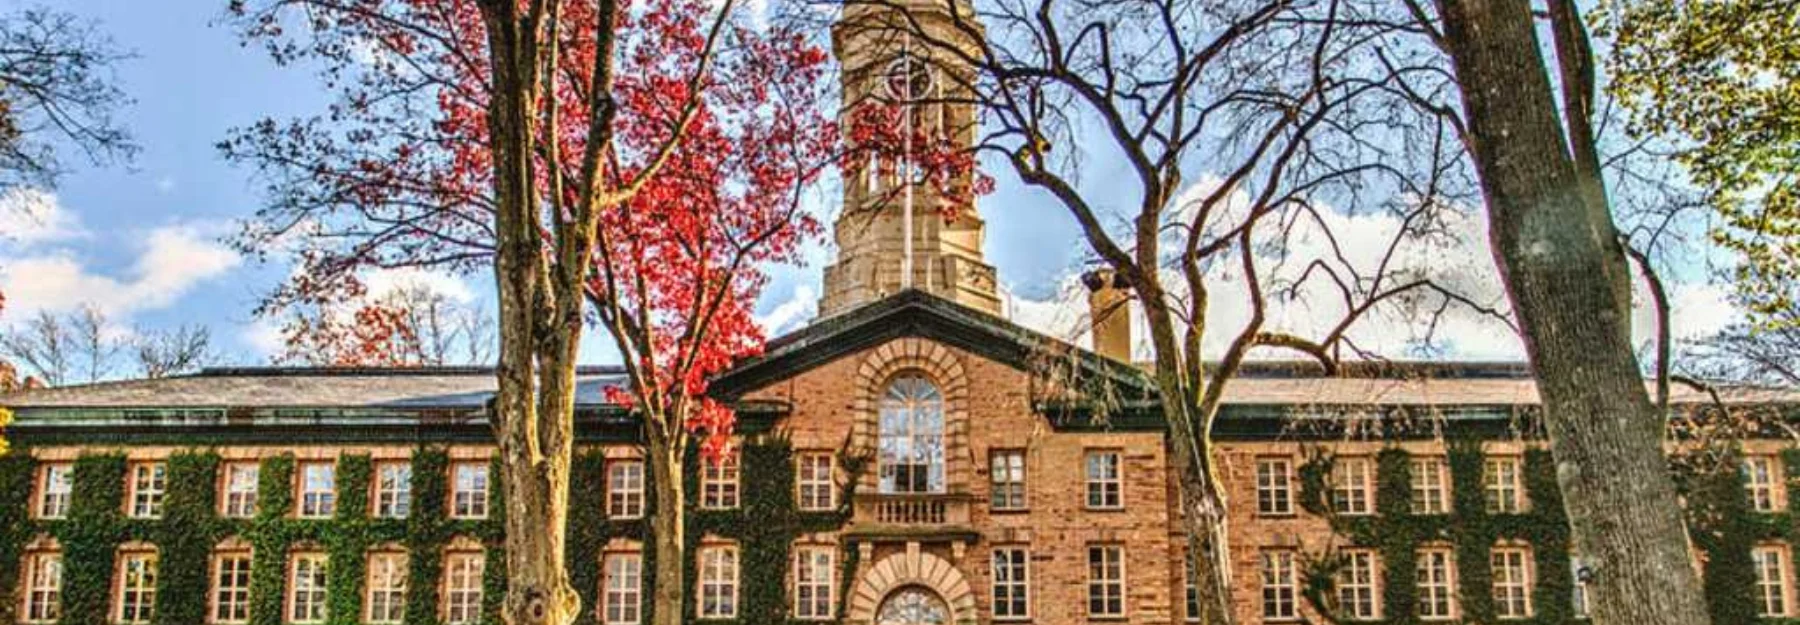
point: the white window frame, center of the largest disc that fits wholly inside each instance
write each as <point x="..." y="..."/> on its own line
<point x="393" y="489"/>
<point x="718" y="579"/>
<point x="1106" y="581"/>
<point x="43" y="587"/>
<point x="1359" y="585"/>
<point x="1579" y="589"/>
<point x="56" y="483"/>
<point x="463" y="572"/>
<point x="1503" y="484"/>
<point x="134" y="593"/>
<point x="815" y="582"/>
<point x="1774" y="574"/>
<point x="241" y="491"/>
<point x="1762" y="482"/>
<point x="149" y="482"/>
<point x="1105" y="490"/>
<point x="625" y="489"/>
<point x="1430" y="485"/>
<point x="314" y="503"/>
<point x="1280" y="585"/>
<point x="228" y="602"/>
<point x="1353" y="486"/>
<point x="1274" y="486"/>
<point x="815" y="481"/>
<point x="1191" y="600"/>
<point x="387" y="572"/>
<point x="622" y="588"/>
<point x="1007" y="475"/>
<point x="1436" y="582"/>
<point x="1010" y="570"/>
<point x="1511" y="577"/>
<point x="470" y="500"/>
<point x="719" y="481"/>
<point x="308" y="592"/>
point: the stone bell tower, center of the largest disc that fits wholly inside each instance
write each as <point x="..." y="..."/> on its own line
<point x="883" y="60"/>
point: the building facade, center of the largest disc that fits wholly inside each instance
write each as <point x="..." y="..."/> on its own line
<point x="910" y="458"/>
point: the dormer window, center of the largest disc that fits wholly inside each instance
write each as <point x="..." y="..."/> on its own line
<point x="911" y="455"/>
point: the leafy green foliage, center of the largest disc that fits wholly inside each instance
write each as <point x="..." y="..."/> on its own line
<point x="1722" y="78"/>
<point x="765" y="526"/>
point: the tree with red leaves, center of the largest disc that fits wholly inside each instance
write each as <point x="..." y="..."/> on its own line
<point x="632" y="166"/>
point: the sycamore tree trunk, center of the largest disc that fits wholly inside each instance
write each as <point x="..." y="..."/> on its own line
<point x="1563" y="267"/>
<point x="668" y="527"/>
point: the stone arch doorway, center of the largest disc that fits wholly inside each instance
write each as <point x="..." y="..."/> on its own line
<point x="912" y="588"/>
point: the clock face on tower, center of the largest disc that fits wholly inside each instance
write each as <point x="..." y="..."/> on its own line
<point x="907" y="79"/>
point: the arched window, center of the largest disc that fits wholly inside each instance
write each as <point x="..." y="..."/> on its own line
<point x="912" y="437"/>
<point x="912" y="606"/>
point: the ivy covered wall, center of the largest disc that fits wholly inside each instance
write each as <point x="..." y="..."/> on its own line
<point x="1723" y="525"/>
<point x="765" y="525"/>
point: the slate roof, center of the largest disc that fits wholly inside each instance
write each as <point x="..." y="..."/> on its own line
<point x="303" y="387"/>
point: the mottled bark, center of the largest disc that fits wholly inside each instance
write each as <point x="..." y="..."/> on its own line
<point x="667" y="522"/>
<point x="1561" y="261"/>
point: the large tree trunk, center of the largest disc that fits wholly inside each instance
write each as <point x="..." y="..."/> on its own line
<point x="540" y="329"/>
<point x="1563" y="268"/>
<point x="668" y="527"/>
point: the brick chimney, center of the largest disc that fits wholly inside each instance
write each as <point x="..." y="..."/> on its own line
<point x="1109" y="307"/>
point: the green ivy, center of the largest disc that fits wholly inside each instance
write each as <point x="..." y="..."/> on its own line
<point x="764" y="525"/>
<point x="1396" y="534"/>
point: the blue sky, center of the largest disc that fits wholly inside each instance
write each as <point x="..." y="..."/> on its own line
<point x="143" y="240"/>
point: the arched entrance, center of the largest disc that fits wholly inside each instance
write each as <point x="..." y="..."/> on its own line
<point x="913" y="605"/>
<point x="911" y="588"/>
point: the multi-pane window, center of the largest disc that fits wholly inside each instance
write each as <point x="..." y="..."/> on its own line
<point x="1430" y="486"/>
<point x="1280" y="586"/>
<point x="137" y="587"/>
<point x="1771" y="581"/>
<point x="1106" y="581"/>
<point x="469" y="500"/>
<point x="318" y="490"/>
<point x="148" y="482"/>
<point x="241" y="489"/>
<point x="1580" y="591"/>
<point x="1760" y="480"/>
<point x="1501" y="485"/>
<point x="718" y="581"/>
<point x="386" y="602"/>
<point x="814" y="479"/>
<point x="1006" y="478"/>
<point x="719" y="482"/>
<point x="43" y="587"/>
<point x="306" y="588"/>
<point x="1356" y="586"/>
<point x="231" y="588"/>
<point x="623" y="603"/>
<point x="462" y="587"/>
<point x="1193" y="590"/>
<point x="911" y="454"/>
<point x="1353" y="486"/>
<point x="55" y="482"/>
<point x="1435" y="600"/>
<point x="813" y="568"/>
<point x="1012" y="583"/>
<point x="393" y="490"/>
<point x="1274" y="486"/>
<point x="625" y="489"/>
<point x="1510" y="570"/>
<point x="1105" y="489"/>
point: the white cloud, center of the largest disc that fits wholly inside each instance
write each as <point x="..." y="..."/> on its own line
<point x="799" y="307"/>
<point x="1459" y="259"/>
<point x="172" y="260"/>
<point x="382" y="282"/>
<point x="30" y="217"/>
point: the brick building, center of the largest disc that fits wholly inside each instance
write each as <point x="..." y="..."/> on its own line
<point x="912" y="457"/>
